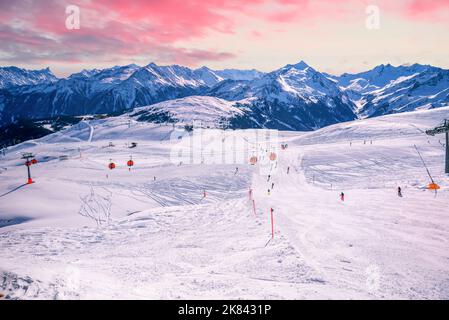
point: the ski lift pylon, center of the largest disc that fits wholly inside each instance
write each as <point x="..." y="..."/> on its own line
<point x="432" y="185"/>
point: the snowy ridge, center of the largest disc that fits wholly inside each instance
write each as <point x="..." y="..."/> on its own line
<point x="13" y="76"/>
<point x="198" y="110"/>
<point x="235" y="74"/>
<point x="294" y="97"/>
<point x="387" y="89"/>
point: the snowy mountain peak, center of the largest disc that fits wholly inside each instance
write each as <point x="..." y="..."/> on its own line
<point x="301" y="65"/>
<point x="203" y="68"/>
<point x="294" y="97"/>
<point x="85" y="73"/>
<point x="14" y="76"/>
<point x="390" y="89"/>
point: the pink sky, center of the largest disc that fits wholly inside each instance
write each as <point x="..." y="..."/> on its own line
<point x="263" y="34"/>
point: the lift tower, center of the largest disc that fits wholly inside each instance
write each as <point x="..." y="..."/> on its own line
<point x="29" y="157"/>
<point x="444" y="128"/>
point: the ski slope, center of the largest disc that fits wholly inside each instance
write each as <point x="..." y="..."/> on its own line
<point x="162" y="239"/>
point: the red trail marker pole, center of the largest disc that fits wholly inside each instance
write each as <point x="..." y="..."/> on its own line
<point x="27" y="156"/>
<point x="272" y="224"/>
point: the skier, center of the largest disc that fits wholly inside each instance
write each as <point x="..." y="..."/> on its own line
<point x="236" y="170"/>
<point x="342" y="196"/>
<point x="269" y="176"/>
<point x="272" y="185"/>
<point x="204" y="194"/>
<point x="268" y="191"/>
<point x="399" y="192"/>
<point x="154" y="178"/>
<point x="288" y="170"/>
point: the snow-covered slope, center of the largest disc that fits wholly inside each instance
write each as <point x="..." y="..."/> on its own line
<point x="195" y="110"/>
<point x="379" y="77"/>
<point x="391" y="126"/>
<point x="235" y="74"/>
<point x="387" y="89"/>
<point x="172" y="229"/>
<point x="295" y="97"/>
<point x="102" y="91"/>
<point x="111" y="90"/>
<point x="13" y="76"/>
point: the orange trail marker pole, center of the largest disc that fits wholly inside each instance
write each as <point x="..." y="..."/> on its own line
<point x="272" y="224"/>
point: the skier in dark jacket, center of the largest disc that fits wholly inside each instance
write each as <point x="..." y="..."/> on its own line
<point x="399" y="192"/>
<point x="342" y="196"/>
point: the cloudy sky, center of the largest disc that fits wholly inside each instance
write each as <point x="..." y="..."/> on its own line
<point x="332" y="36"/>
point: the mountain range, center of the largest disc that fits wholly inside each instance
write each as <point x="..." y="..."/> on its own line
<point x="294" y="97"/>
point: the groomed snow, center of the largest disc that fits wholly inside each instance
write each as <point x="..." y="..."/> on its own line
<point x="210" y="111"/>
<point x="164" y="240"/>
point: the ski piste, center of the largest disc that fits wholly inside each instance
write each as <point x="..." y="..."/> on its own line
<point x="165" y="230"/>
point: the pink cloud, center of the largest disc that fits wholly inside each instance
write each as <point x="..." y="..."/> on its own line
<point x="113" y="30"/>
<point x="426" y="9"/>
<point x="120" y="30"/>
<point x="255" y="34"/>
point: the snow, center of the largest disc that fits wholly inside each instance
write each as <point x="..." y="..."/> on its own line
<point x="387" y="89"/>
<point x="209" y="111"/>
<point x="13" y="76"/>
<point x="235" y="74"/>
<point x="164" y="240"/>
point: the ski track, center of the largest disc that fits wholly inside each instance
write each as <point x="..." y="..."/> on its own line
<point x="166" y="241"/>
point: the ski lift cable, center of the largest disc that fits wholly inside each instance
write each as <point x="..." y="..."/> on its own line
<point x="422" y="160"/>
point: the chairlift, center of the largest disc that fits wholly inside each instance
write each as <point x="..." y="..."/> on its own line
<point x="111" y="165"/>
<point x="130" y="162"/>
<point x="253" y="160"/>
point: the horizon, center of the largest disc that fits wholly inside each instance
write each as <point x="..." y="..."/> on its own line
<point x="229" y="68"/>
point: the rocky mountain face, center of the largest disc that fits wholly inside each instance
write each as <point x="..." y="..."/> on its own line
<point x="294" y="97"/>
<point x="387" y="89"/>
